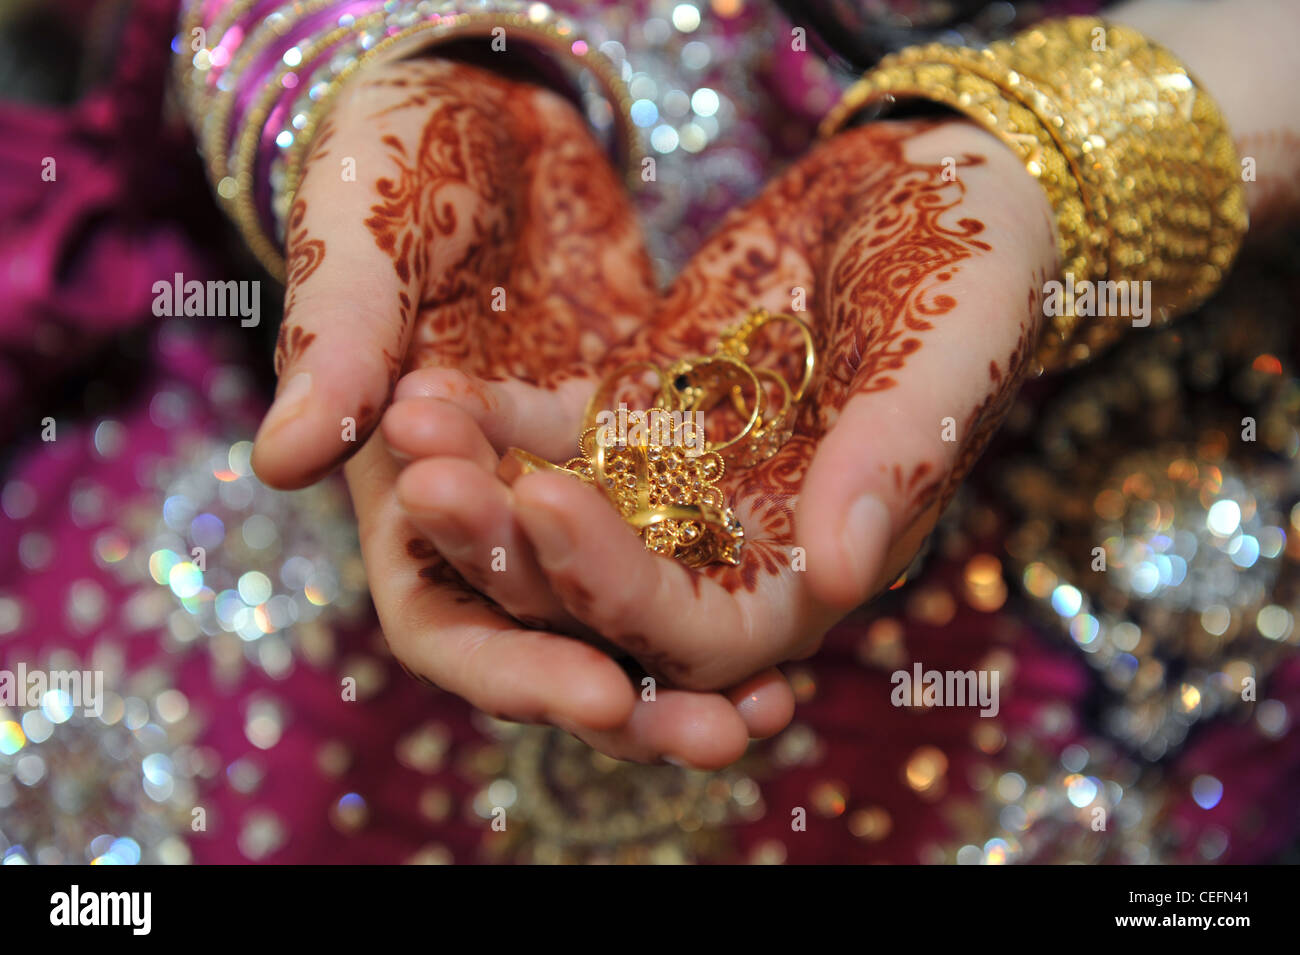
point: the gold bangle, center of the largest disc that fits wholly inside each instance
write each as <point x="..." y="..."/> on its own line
<point x="191" y="81"/>
<point x="232" y="171"/>
<point x="241" y="204"/>
<point x="214" y="134"/>
<point x="1134" y="156"/>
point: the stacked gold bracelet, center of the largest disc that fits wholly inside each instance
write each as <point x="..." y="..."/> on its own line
<point x="1133" y="154"/>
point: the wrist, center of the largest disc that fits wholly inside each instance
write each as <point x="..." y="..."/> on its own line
<point x="1242" y="52"/>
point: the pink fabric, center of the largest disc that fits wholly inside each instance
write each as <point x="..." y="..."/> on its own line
<point x="80" y="253"/>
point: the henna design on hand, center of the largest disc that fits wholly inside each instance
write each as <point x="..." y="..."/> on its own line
<point x="502" y="188"/>
<point x="437" y="570"/>
<point x="492" y="184"/>
<point x="875" y="240"/>
<point x="305" y="255"/>
<point x="506" y="191"/>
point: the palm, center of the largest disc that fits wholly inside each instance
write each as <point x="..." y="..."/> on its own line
<point x="873" y="242"/>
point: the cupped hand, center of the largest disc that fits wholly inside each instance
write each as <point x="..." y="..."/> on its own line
<point x="918" y="252"/>
<point x="450" y="217"/>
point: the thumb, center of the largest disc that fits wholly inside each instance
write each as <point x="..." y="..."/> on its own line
<point x="890" y="463"/>
<point x="347" y="319"/>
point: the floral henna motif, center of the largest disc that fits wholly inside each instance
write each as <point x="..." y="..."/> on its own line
<point x="873" y="240"/>
<point x="459" y="150"/>
<point x="869" y="238"/>
<point x="519" y="207"/>
<point x="765" y="497"/>
<point x="305" y="256"/>
<point x="893" y="273"/>
<point x="305" y="253"/>
<point x="290" y="344"/>
<point x="486" y="190"/>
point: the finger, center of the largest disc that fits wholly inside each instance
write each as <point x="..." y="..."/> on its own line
<point x="892" y="458"/>
<point x="345" y="326"/>
<point x="695" y="733"/>
<point x="690" y="729"/>
<point x="438" y="627"/>
<point x="417" y="428"/>
<point x="699" y="730"/>
<point x="765" y="702"/>
<point x="511" y="413"/>
<point x="467" y="515"/>
<point x="679" y="624"/>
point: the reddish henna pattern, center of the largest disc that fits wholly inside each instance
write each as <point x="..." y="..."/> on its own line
<point x="438" y="571"/>
<point x="765" y="497"/>
<point x="920" y="487"/>
<point x="875" y="241"/>
<point x="514" y="246"/>
<point x="497" y="222"/>
<point x="305" y="255"/>
<point x="290" y="344"/>
<point x="1005" y="379"/>
<point x="517" y="256"/>
<point x="320" y="143"/>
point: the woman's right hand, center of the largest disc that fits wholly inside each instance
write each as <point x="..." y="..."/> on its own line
<point x="480" y="229"/>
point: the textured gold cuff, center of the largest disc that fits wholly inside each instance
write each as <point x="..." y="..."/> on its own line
<point x="1134" y="156"/>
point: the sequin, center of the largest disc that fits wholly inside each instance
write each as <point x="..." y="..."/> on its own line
<point x="18" y="500"/>
<point x="350" y="813"/>
<point x="263" y="723"/>
<point x="925" y="769"/>
<point x="686" y="17"/>
<point x="262" y="834"/>
<point x="1206" y="791"/>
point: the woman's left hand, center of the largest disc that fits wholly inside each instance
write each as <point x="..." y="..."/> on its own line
<point x="919" y="252"/>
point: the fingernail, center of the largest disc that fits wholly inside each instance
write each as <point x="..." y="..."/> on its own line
<point x="865" y="539"/>
<point x="550" y="533"/>
<point x="289" y="402"/>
